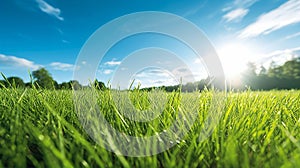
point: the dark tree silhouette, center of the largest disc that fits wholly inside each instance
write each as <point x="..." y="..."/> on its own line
<point x="286" y="76"/>
<point x="65" y="85"/>
<point x="28" y="85"/>
<point x="75" y="84"/>
<point x="99" y="85"/>
<point x="16" y="82"/>
<point x="43" y="79"/>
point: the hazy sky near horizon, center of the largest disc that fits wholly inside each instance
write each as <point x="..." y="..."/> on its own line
<point x="51" y="33"/>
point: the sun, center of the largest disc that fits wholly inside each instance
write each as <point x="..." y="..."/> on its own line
<point x="234" y="59"/>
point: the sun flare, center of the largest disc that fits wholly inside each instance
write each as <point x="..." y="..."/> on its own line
<point x="234" y="58"/>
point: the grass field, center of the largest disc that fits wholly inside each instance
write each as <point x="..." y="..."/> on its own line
<point x="257" y="129"/>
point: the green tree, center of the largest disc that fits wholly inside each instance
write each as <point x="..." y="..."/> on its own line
<point x="99" y="85"/>
<point x="43" y="79"/>
<point x="275" y="71"/>
<point x="263" y="70"/>
<point x="189" y="87"/>
<point x="28" y="85"/>
<point x="16" y="82"/>
<point x="291" y="69"/>
<point x="65" y="85"/>
<point x="286" y="76"/>
<point x="72" y="84"/>
<point x="75" y="84"/>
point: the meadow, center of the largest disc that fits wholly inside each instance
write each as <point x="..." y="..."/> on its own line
<point x="40" y="128"/>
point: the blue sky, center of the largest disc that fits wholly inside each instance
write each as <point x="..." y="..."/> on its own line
<point x="50" y="33"/>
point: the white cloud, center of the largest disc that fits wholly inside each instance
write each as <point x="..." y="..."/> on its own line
<point x="62" y="66"/>
<point x="226" y="8"/>
<point x="50" y="10"/>
<point x="292" y="36"/>
<point x="124" y="68"/>
<point x="65" y="41"/>
<point x="107" y="71"/>
<point x="153" y="73"/>
<point x="112" y="63"/>
<point x="236" y="15"/>
<point x="154" y="77"/>
<point x="17" y="62"/>
<point x="237" y="10"/>
<point x="197" y="61"/>
<point x="239" y="4"/>
<point x="287" y="14"/>
<point x="279" y="56"/>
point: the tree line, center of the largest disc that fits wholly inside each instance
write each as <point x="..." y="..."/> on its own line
<point x="286" y="76"/>
<point x="42" y="79"/>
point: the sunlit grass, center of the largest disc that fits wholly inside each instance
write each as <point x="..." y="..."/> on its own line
<point x="257" y="129"/>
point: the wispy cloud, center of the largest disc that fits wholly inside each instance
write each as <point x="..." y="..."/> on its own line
<point x="237" y="10"/>
<point x="236" y="15"/>
<point x="197" y="61"/>
<point x="62" y="66"/>
<point x="286" y="14"/>
<point x="50" y="10"/>
<point x="244" y="3"/>
<point x="17" y="62"/>
<point x="292" y="36"/>
<point x="107" y="71"/>
<point x="279" y="56"/>
<point x="113" y="63"/>
<point x="152" y="73"/>
<point x="65" y="41"/>
<point x="154" y="77"/>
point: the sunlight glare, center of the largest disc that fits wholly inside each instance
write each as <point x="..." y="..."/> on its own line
<point x="234" y="58"/>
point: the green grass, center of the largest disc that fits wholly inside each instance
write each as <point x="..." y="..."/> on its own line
<point x="40" y="128"/>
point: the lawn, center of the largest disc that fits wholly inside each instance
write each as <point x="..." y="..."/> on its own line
<point x="41" y="128"/>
